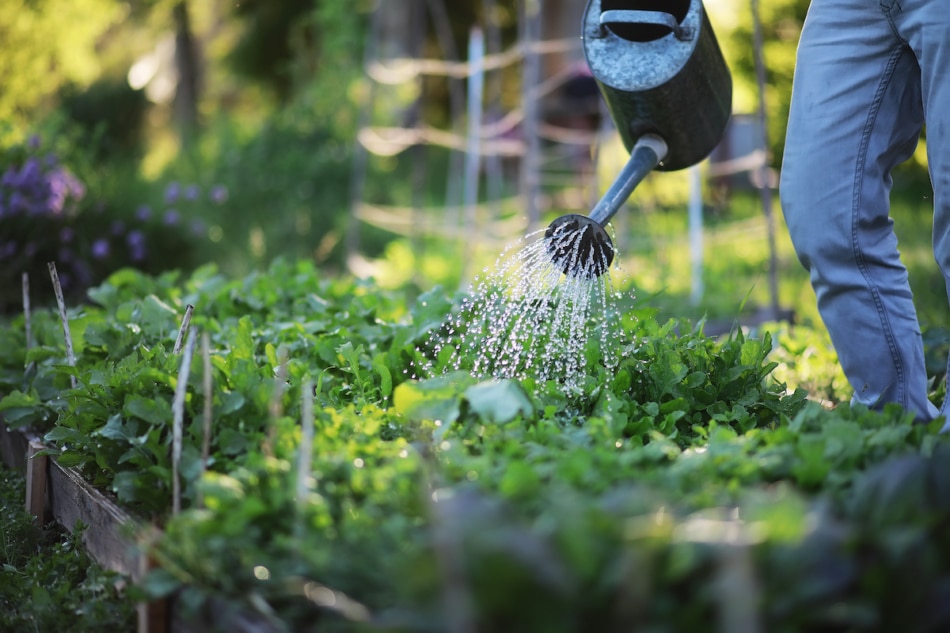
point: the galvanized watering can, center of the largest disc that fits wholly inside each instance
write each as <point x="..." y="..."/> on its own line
<point x="669" y="93"/>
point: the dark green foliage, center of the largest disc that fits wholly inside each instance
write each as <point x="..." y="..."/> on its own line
<point x="266" y="49"/>
<point x="684" y="488"/>
<point x="111" y="116"/>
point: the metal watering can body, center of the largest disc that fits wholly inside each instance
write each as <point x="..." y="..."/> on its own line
<point x="660" y="71"/>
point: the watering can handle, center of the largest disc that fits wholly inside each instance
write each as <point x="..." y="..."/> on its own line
<point x="659" y="18"/>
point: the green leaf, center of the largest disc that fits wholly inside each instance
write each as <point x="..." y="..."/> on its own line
<point x="125" y="485"/>
<point x="18" y="399"/>
<point x="499" y="401"/>
<point x="231" y="442"/>
<point x="159" y="321"/>
<point x="231" y="401"/>
<point x="155" y="412"/>
<point x="63" y="434"/>
<point x="116" y="429"/>
<point x="433" y="399"/>
<point x="41" y="599"/>
<point x="385" y="376"/>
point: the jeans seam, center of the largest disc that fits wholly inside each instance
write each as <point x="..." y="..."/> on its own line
<point x="891" y="11"/>
<point x="855" y="213"/>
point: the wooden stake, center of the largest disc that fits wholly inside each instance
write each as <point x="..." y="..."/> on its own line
<point x="185" y="324"/>
<point x="27" y="317"/>
<point x="276" y="407"/>
<point x="58" y="290"/>
<point x="305" y="454"/>
<point x="36" y="482"/>
<point x="208" y="385"/>
<point x="154" y="616"/>
<point x="178" y="413"/>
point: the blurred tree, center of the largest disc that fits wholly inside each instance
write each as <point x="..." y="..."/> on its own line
<point x="186" y="62"/>
<point x="265" y="52"/>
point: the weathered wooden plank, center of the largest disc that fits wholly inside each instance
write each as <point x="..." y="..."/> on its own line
<point x="108" y="539"/>
<point x="110" y="536"/>
<point x="13" y="447"/>
<point x="37" y="467"/>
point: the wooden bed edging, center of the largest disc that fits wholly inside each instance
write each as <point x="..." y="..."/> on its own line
<point x="64" y="495"/>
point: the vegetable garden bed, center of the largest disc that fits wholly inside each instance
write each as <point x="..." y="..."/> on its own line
<point x="298" y="470"/>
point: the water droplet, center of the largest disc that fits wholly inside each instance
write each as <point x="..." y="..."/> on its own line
<point x="528" y="319"/>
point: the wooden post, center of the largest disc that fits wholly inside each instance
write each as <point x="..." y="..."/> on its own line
<point x="473" y="154"/>
<point x="36" y="468"/>
<point x="151" y="617"/>
<point x="530" y="78"/>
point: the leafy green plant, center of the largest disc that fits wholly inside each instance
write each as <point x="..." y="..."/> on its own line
<point x="610" y="503"/>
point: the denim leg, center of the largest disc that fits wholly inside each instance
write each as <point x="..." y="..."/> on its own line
<point x="856" y="113"/>
<point x="925" y="26"/>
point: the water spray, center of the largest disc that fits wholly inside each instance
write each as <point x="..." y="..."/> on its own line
<point x="668" y="90"/>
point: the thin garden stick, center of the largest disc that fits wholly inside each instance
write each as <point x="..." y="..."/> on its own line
<point x="276" y="408"/>
<point x="305" y="454"/>
<point x="178" y="413"/>
<point x="58" y="290"/>
<point x="207" y="384"/>
<point x="185" y="324"/>
<point x="27" y="317"/>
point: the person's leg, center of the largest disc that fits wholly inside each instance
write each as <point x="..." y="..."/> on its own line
<point x="855" y="114"/>
<point x="925" y="25"/>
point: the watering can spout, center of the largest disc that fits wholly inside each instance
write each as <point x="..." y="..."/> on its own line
<point x="579" y="245"/>
<point x="668" y="90"/>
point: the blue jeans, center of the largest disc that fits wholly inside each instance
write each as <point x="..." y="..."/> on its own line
<point x="869" y="74"/>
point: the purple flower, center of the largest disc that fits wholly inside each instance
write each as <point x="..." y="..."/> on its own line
<point x="29" y="171"/>
<point x="144" y="213"/>
<point x="198" y="227"/>
<point x="171" y="217"/>
<point x="33" y="143"/>
<point x="18" y="203"/>
<point x="135" y="238"/>
<point x="66" y="234"/>
<point x="136" y="243"/>
<point x="63" y="189"/>
<point x="7" y="250"/>
<point x="100" y="248"/>
<point x="75" y="187"/>
<point x="172" y="192"/>
<point x="219" y="194"/>
<point x="192" y="192"/>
